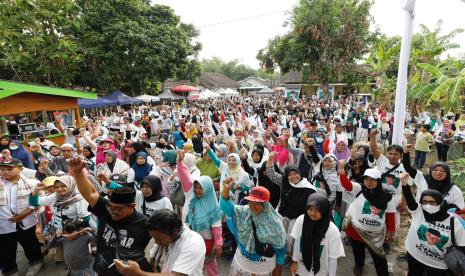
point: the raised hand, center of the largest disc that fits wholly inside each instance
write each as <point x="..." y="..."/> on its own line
<point x="404" y="177"/>
<point x="76" y="165"/>
<point x="243" y="154"/>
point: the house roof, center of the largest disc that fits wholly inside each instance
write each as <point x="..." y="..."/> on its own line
<point x="214" y="80"/>
<point x="173" y="83"/>
<point x="292" y="77"/>
<point x="10" y="88"/>
<point x="253" y="80"/>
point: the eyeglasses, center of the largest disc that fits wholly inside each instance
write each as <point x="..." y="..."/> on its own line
<point x="115" y="209"/>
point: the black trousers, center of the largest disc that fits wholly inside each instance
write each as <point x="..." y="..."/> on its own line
<point x="415" y="268"/>
<point x="442" y="151"/>
<point x="358" y="248"/>
<point x="8" y="244"/>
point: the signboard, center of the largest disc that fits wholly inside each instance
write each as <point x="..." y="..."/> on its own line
<point x="27" y="127"/>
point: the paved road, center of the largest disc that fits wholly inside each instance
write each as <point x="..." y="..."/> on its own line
<point x="345" y="265"/>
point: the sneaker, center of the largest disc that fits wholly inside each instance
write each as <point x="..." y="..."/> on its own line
<point x="387" y="248"/>
<point x="34" y="269"/>
<point x="402" y="257"/>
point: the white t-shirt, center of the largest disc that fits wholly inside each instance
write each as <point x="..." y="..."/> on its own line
<point x="349" y="197"/>
<point x="391" y="182"/>
<point x="186" y="255"/>
<point x="367" y="217"/>
<point x="330" y="247"/>
<point x="151" y="207"/>
<point x="428" y="242"/>
<point x="73" y="211"/>
<point x="263" y="266"/>
<point x="453" y="196"/>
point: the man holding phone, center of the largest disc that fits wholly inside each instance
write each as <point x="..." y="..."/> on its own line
<point x="122" y="232"/>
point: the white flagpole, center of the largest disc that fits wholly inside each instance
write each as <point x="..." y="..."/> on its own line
<point x="408" y="7"/>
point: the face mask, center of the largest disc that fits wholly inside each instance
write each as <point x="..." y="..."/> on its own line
<point x="319" y="140"/>
<point x="14" y="147"/>
<point x="430" y="209"/>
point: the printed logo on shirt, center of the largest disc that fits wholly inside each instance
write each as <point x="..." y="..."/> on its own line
<point x="368" y="209"/>
<point x="109" y="236"/>
<point x="124" y="240"/>
<point x="391" y="181"/>
<point x="432" y="237"/>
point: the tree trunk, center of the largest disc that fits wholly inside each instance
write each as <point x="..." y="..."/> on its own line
<point x="325" y="87"/>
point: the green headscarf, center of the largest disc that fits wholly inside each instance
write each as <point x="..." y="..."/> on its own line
<point x="170" y="157"/>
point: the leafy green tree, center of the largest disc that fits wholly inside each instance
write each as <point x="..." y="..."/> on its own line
<point x="132" y="45"/>
<point x="446" y="86"/>
<point x="38" y="41"/>
<point x="326" y="40"/>
<point x="232" y="69"/>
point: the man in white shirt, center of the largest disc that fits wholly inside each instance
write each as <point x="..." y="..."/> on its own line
<point x="17" y="220"/>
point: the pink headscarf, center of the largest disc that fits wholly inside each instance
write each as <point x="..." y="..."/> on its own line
<point x="344" y="155"/>
<point x="100" y="157"/>
<point x="283" y="154"/>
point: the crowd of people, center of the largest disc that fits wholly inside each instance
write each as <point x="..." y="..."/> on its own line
<point x="267" y="182"/>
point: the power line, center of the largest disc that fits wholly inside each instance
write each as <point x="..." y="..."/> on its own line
<point x="242" y="19"/>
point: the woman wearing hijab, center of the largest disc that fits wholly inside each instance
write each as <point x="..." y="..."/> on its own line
<point x="443" y="137"/>
<point x="342" y="151"/>
<point x="438" y="179"/>
<point x="18" y="151"/>
<point x="207" y="167"/>
<point x="137" y="147"/>
<point x="189" y="161"/>
<point x="202" y="213"/>
<point x="164" y="172"/>
<point x="370" y="221"/>
<point x="259" y="233"/>
<point x="317" y="241"/>
<point x="179" y="138"/>
<point x="282" y="158"/>
<point x="149" y="199"/>
<point x="429" y="235"/>
<point x="326" y="179"/>
<point x="242" y="181"/>
<point x="139" y="170"/>
<point x="255" y="166"/>
<point x="57" y="161"/>
<point x="295" y="190"/>
<point x="66" y="203"/>
<point x="115" y="169"/>
<point x="90" y="158"/>
<point x="104" y="145"/>
<point x="222" y="152"/>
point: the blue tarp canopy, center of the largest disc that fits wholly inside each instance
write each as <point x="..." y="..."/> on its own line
<point x="121" y="99"/>
<point x="99" y="102"/>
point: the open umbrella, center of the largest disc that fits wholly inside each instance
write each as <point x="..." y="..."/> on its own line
<point x="183" y="88"/>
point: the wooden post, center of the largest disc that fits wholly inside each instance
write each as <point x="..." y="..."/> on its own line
<point x="77" y="118"/>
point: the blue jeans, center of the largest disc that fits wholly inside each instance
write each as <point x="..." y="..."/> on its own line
<point x="420" y="159"/>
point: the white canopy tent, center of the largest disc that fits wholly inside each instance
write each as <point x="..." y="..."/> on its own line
<point x="207" y="94"/>
<point x="220" y="91"/>
<point x="148" y="98"/>
<point x="230" y="92"/>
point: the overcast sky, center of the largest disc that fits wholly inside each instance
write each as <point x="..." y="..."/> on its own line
<point x="237" y="29"/>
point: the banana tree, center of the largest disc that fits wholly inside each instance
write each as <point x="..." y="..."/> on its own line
<point x="446" y="86"/>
